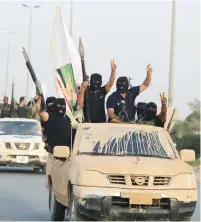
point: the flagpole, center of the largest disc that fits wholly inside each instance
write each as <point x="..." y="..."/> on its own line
<point x="172" y="56"/>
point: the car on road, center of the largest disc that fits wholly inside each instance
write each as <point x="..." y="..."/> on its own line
<point x="121" y="172"/>
<point x="21" y="144"/>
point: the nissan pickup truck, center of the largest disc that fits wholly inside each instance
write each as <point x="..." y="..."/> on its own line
<point x="21" y="144"/>
<point x="121" y="172"/>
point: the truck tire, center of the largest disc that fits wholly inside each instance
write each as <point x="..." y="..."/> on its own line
<point x="43" y="169"/>
<point x="57" y="210"/>
<point x="74" y="214"/>
<point x="36" y="169"/>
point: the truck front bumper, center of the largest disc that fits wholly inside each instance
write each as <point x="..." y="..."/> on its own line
<point x="115" y="207"/>
<point x="14" y="160"/>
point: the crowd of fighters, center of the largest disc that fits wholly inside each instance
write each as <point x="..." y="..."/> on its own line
<point x="120" y="107"/>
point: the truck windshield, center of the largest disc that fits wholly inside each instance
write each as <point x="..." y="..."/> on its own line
<point x="121" y="141"/>
<point x="20" y="128"/>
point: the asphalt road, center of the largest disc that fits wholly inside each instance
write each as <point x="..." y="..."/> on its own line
<point x="23" y="196"/>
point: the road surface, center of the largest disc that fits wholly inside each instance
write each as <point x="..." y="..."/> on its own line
<point x="23" y="196"/>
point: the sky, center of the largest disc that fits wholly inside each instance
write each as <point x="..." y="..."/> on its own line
<point x="134" y="33"/>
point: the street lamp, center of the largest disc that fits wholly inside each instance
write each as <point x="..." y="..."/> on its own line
<point x="29" y="47"/>
<point x="7" y="63"/>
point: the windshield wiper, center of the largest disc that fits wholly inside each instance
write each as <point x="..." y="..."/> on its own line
<point x="145" y="155"/>
<point x="122" y="154"/>
<point x="98" y="154"/>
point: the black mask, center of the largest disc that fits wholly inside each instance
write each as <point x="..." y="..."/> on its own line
<point x="60" y="107"/>
<point x="122" y="84"/>
<point x="95" y="81"/>
<point x="50" y="104"/>
<point x="141" y="110"/>
<point x="151" y="111"/>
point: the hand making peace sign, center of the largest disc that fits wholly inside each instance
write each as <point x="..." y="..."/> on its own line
<point x="163" y="99"/>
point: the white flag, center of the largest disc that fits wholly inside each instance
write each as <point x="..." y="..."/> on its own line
<point x="66" y="62"/>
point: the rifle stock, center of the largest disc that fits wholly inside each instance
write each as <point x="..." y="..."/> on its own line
<point x="169" y="124"/>
<point x="35" y="80"/>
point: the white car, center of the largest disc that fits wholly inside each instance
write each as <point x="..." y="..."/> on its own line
<point x="21" y="144"/>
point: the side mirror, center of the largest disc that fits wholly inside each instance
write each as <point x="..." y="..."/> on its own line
<point x="187" y="155"/>
<point x="61" y="152"/>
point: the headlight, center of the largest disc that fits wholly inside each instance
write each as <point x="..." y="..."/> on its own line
<point x="184" y="181"/>
<point x="90" y="178"/>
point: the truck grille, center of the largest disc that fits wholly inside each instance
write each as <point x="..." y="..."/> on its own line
<point x="22" y="146"/>
<point x="161" y="181"/>
<point x="117" y="179"/>
<point x="8" y="146"/>
<point x="137" y="180"/>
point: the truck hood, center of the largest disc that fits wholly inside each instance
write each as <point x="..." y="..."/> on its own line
<point x="131" y="165"/>
<point x="16" y="138"/>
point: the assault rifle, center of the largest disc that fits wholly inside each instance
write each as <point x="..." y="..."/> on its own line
<point x="12" y="101"/>
<point x="85" y="78"/>
<point x="35" y="80"/>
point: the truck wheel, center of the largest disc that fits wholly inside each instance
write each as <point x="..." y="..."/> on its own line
<point x="57" y="210"/>
<point x="44" y="169"/>
<point x="36" y="170"/>
<point x="74" y="214"/>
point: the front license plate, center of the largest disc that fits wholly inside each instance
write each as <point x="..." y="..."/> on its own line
<point x="22" y="159"/>
<point x="141" y="198"/>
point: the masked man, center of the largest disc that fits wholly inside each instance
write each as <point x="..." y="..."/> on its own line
<point x="57" y="126"/>
<point x="50" y="108"/>
<point x="121" y="104"/>
<point x="96" y="96"/>
<point x="150" y="117"/>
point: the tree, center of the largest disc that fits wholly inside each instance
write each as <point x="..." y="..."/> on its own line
<point x="188" y="131"/>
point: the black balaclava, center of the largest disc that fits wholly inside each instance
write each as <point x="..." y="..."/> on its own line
<point x="122" y="84"/>
<point x="50" y="104"/>
<point x="95" y="81"/>
<point x="60" y="107"/>
<point x="151" y="111"/>
<point x="141" y="110"/>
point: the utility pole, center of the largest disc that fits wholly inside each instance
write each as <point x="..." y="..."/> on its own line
<point x="71" y="18"/>
<point x="172" y="57"/>
<point x="29" y="44"/>
<point x="7" y="60"/>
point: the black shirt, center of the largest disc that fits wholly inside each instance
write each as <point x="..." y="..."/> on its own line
<point x="157" y="122"/>
<point x="117" y="102"/>
<point x="58" y="131"/>
<point x="96" y="100"/>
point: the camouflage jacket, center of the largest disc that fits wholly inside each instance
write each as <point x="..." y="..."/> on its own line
<point x="145" y="122"/>
<point x="4" y="110"/>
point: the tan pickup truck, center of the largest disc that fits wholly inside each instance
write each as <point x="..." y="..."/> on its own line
<point x="121" y="172"/>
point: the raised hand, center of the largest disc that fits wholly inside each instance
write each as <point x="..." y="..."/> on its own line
<point x="113" y="66"/>
<point x="149" y="69"/>
<point x="163" y="99"/>
<point x="84" y="85"/>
